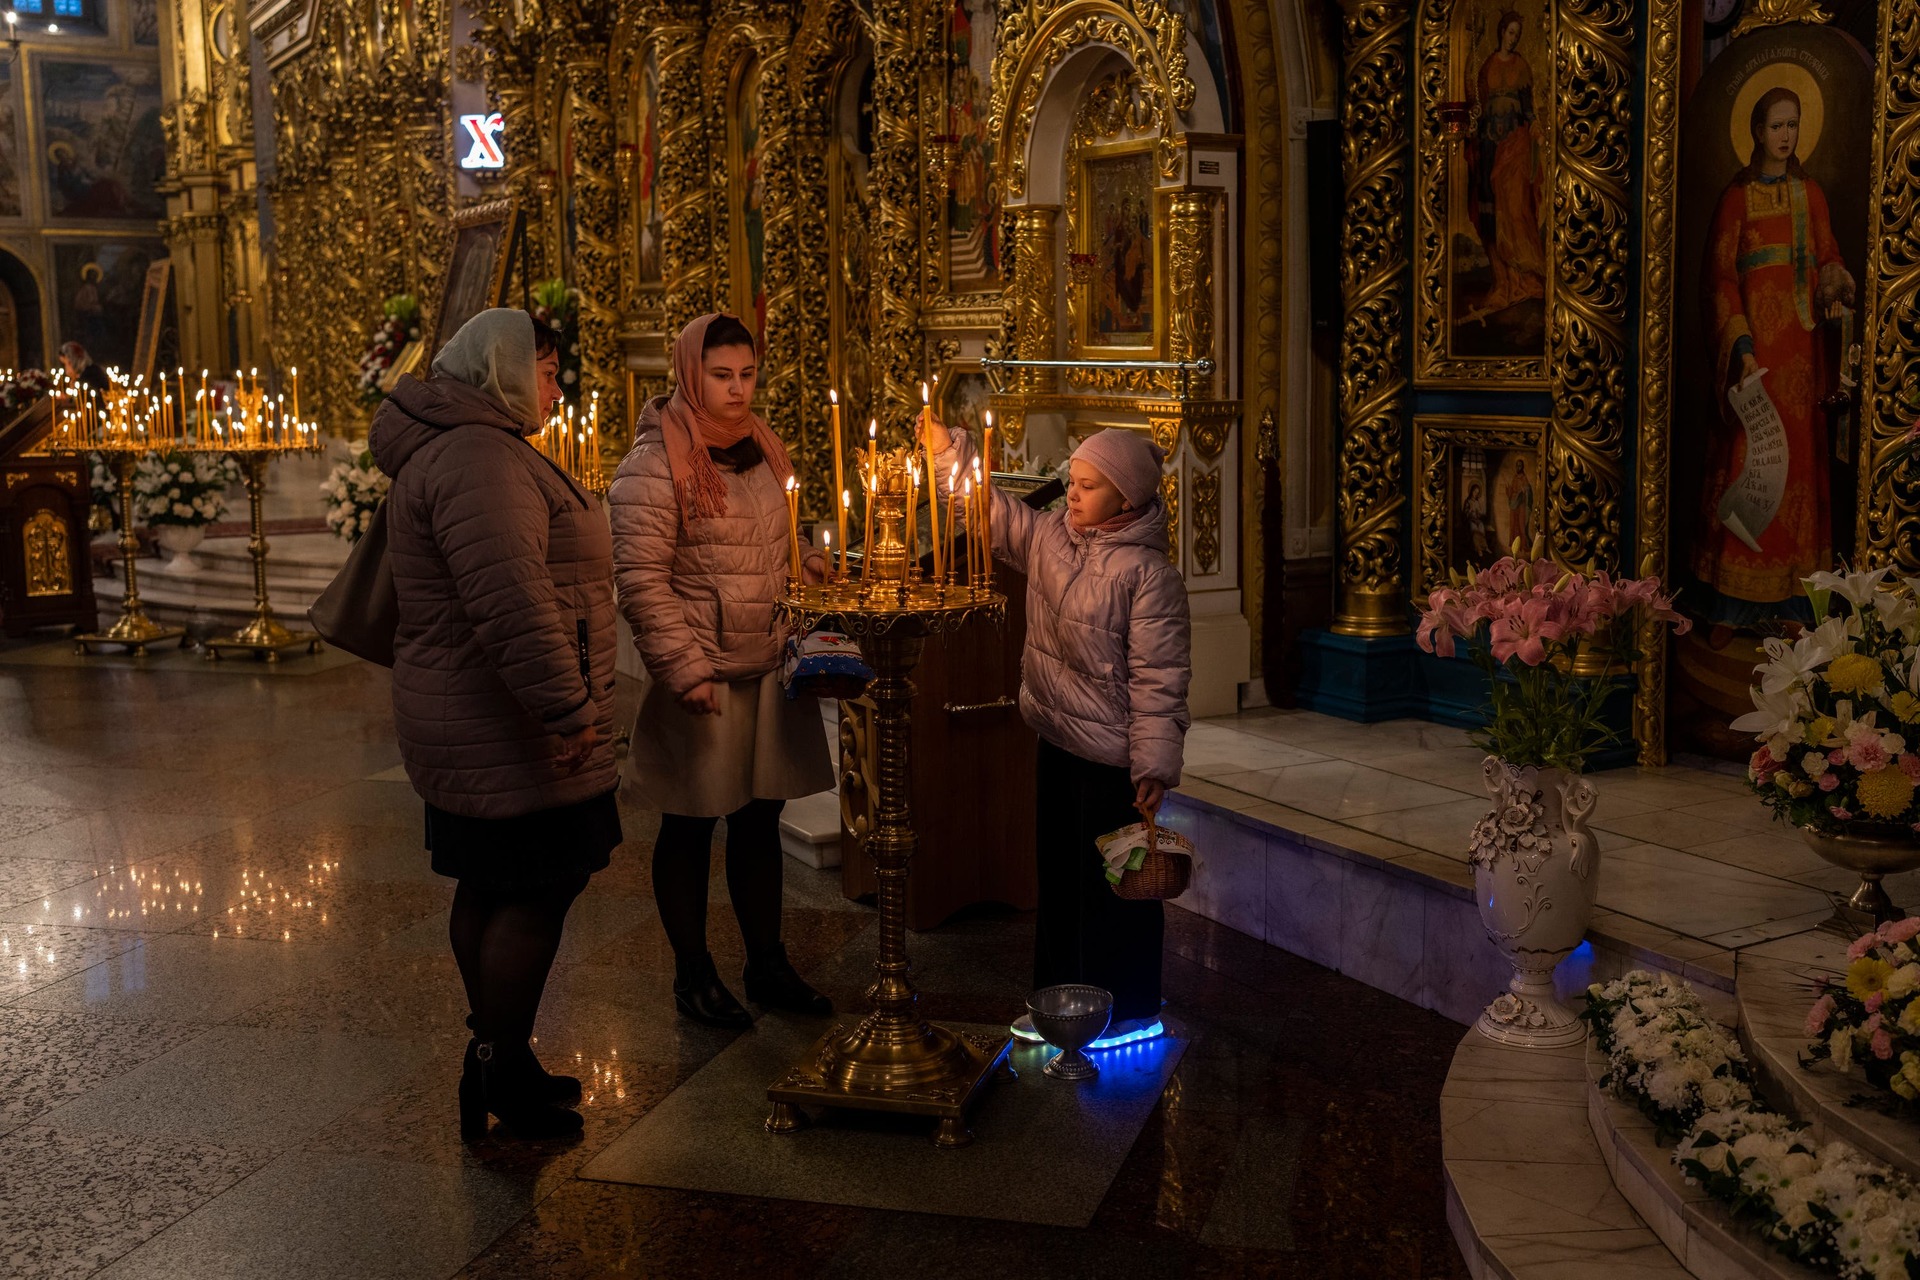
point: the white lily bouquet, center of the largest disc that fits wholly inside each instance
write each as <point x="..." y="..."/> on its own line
<point x="1837" y="710"/>
<point x="354" y="490"/>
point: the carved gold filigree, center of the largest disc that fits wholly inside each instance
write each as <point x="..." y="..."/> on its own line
<point x="49" y="555"/>
<point x="1588" y="364"/>
<point x="1769" y="13"/>
<point x="684" y="173"/>
<point x="1373" y="388"/>
<point x="1889" y="519"/>
<point x="1170" y="497"/>
<point x="905" y="48"/>
<point x="1031" y="39"/>
<point x="1659" y="204"/>
<point x="1206" y="520"/>
<point x="1433" y="303"/>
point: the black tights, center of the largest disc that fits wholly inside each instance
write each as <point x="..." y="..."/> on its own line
<point x="681" y="861"/>
<point x="504" y="942"/>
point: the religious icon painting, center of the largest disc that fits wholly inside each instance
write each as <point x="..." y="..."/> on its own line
<point x="1484" y="196"/>
<point x="1114" y="269"/>
<point x="646" y="186"/>
<point x="965" y="397"/>
<point x="484" y="238"/>
<point x="1482" y="491"/>
<point x="101" y="286"/>
<point x="105" y="151"/>
<point x="972" y="209"/>
<point x="1771" y="247"/>
<point x="11" y="205"/>
<point x="748" y="220"/>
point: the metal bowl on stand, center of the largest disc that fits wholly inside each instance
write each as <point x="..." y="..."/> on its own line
<point x="1071" y="1017"/>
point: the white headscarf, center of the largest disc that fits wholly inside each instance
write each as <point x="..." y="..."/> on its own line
<point x="494" y="352"/>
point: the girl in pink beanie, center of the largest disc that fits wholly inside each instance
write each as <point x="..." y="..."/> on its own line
<point x="1103" y="682"/>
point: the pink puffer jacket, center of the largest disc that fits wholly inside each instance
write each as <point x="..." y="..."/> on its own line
<point x="503" y="568"/>
<point x="1109" y="648"/>
<point x="698" y="596"/>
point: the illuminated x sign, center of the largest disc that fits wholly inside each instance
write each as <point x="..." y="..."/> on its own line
<point x="485" y="152"/>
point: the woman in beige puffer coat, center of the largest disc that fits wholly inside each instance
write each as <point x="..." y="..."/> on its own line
<point x="502" y="686"/>
<point x="701" y="545"/>
<point x="1103" y="682"/>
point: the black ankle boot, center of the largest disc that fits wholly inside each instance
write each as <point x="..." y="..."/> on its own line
<point x="699" y="994"/>
<point x="506" y="1087"/>
<point x="561" y="1090"/>
<point x="772" y="982"/>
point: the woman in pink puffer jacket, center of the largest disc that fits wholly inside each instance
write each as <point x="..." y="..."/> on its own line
<point x="700" y="539"/>
<point x="1103" y="681"/>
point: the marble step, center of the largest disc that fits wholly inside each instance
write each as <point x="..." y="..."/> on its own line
<point x="1695" y="1228"/>
<point x="1774" y="993"/>
<point x="1530" y="1193"/>
<point x="218" y="593"/>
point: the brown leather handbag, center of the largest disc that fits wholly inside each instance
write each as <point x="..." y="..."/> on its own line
<point x="359" y="611"/>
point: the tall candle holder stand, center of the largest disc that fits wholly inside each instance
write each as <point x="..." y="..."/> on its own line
<point x="133" y="630"/>
<point x="264" y="636"/>
<point x="892" y="1060"/>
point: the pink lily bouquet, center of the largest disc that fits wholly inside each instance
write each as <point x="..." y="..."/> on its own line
<point x="1837" y="710"/>
<point x="1526" y="623"/>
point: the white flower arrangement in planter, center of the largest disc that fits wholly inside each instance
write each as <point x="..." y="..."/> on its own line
<point x="1825" y="1205"/>
<point x="354" y="490"/>
<point x="187" y="490"/>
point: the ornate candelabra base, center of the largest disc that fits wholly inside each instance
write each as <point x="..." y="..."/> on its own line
<point x="133" y="630"/>
<point x="893" y="1060"/>
<point x="263" y="636"/>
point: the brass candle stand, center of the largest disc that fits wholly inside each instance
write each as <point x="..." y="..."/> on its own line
<point x="892" y="1060"/>
<point x="133" y="630"/>
<point x="264" y="636"/>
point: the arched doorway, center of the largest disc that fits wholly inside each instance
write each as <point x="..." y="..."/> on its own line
<point x="21" y="342"/>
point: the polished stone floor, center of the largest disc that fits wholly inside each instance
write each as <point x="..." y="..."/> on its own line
<point x="230" y="1031"/>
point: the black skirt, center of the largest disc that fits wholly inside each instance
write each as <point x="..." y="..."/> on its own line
<point x="544" y="849"/>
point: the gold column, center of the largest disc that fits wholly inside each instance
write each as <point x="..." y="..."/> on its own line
<point x="685" y="184"/>
<point x="1190" y="274"/>
<point x="596" y="261"/>
<point x="1889" y="520"/>
<point x="1587" y="364"/>
<point x="1029" y="319"/>
<point x="780" y="213"/>
<point x="195" y="184"/>
<point x="1375" y="151"/>
<point x="1660" y="173"/>
<point x="897" y="355"/>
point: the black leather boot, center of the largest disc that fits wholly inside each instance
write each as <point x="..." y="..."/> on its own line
<point x="773" y="983"/>
<point x="699" y="994"/>
<point x="505" y="1086"/>
<point x="561" y="1090"/>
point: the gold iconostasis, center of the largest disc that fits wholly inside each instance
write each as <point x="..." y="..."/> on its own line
<point x="1396" y="283"/>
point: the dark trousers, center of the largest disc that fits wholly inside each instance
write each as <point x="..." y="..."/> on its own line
<point x="1085" y="931"/>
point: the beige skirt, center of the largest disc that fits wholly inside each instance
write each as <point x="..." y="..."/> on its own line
<point x="760" y="747"/>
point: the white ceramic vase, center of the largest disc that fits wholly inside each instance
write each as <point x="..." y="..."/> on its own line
<point x="179" y="541"/>
<point x="1535" y="867"/>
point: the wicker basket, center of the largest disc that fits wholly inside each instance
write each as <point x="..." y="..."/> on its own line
<point x="1162" y="873"/>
